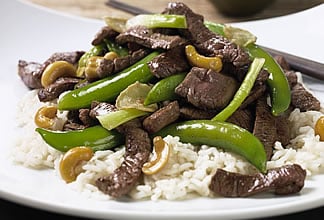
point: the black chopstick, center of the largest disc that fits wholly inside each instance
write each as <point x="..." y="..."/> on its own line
<point x="305" y="66"/>
<point x="126" y="7"/>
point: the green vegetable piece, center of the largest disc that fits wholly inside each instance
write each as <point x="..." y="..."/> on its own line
<point x="114" y="47"/>
<point x="164" y="89"/>
<point x="107" y="89"/>
<point x="243" y="91"/>
<point x="220" y="134"/>
<point x="279" y="87"/>
<point x="96" y="137"/>
<point x="114" y="119"/>
<point x="277" y="82"/>
<point x="94" y="51"/>
<point x="158" y="21"/>
<point x="215" y="27"/>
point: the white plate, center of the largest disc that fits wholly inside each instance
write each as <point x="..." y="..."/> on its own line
<point x="33" y="34"/>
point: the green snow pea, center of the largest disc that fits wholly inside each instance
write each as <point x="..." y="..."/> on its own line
<point x="164" y="89"/>
<point x="96" y="137"/>
<point x="220" y="134"/>
<point x="107" y="89"/>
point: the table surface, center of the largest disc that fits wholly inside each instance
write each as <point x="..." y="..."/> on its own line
<point x="97" y="9"/>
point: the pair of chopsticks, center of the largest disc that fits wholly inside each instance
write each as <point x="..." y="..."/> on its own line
<point x="308" y="67"/>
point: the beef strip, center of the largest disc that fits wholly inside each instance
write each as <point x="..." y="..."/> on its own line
<point x="55" y="89"/>
<point x="189" y="112"/>
<point x="148" y="38"/>
<point x="30" y="73"/>
<point x="107" y="67"/>
<point x="206" y="41"/>
<point x="101" y="108"/>
<point x="170" y="62"/>
<point x="162" y="117"/>
<point x="103" y="33"/>
<point x="269" y="128"/>
<point x="207" y="89"/>
<point x="243" y="118"/>
<point x="284" y="180"/>
<point x="138" y="148"/>
<point x="71" y="57"/>
<point x="304" y="100"/>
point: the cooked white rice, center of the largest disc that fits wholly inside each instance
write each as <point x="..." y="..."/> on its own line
<point x="189" y="169"/>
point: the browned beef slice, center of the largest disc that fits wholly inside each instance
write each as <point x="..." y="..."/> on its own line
<point x="304" y="100"/>
<point x="104" y="32"/>
<point x="206" y="41"/>
<point x="283" y="180"/>
<point x="191" y="112"/>
<point x="148" y="38"/>
<point x="162" y="117"/>
<point x="30" y="73"/>
<point x="243" y="118"/>
<point x="269" y="128"/>
<point x="124" y="178"/>
<point x="170" y="62"/>
<point x="207" y="89"/>
<point x="71" y="57"/>
<point x="55" y="89"/>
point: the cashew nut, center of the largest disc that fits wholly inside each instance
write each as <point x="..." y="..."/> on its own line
<point x="214" y="63"/>
<point x="45" y="117"/>
<point x="319" y="128"/>
<point x="161" y="153"/>
<point x="71" y="164"/>
<point x="55" y="70"/>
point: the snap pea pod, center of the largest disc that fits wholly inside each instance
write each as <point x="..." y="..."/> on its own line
<point x="96" y="137"/>
<point x="164" y="89"/>
<point x="277" y="81"/>
<point x="107" y="89"/>
<point x="220" y="134"/>
<point x="278" y="84"/>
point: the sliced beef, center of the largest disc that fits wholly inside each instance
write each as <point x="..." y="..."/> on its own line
<point x="105" y="67"/>
<point x="138" y="148"/>
<point x="170" y="62"/>
<point x="162" y="117"/>
<point x="71" y="57"/>
<point x="283" y="180"/>
<point x="121" y="63"/>
<point x="53" y="91"/>
<point x="101" y="108"/>
<point x="87" y="121"/>
<point x="282" y="62"/>
<point x="207" y="89"/>
<point x="206" y="41"/>
<point x="304" y="100"/>
<point x="243" y="118"/>
<point x="103" y="33"/>
<point x="269" y="128"/>
<point x="148" y="38"/>
<point x="291" y="77"/>
<point x="190" y="112"/>
<point x="30" y="73"/>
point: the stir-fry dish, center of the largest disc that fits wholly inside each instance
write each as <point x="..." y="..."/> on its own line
<point x="170" y="106"/>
